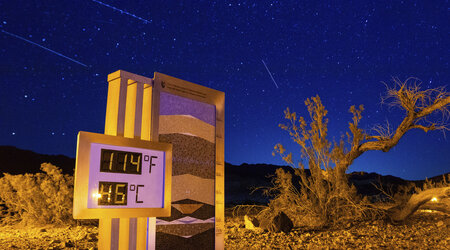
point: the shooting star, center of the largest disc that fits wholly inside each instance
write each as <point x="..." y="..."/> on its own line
<point x="122" y="11"/>
<point x="268" y="71"/>
<point x="42" y="47"/>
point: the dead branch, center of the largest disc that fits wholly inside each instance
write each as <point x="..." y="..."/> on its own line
<point x="401" y="212"/>
<point x="381" y="189"/>
<point x="326" y="194"/>
<point x="417" y="103"/>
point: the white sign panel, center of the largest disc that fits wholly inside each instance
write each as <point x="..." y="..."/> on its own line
<point x="117" y="177"/>
<point x="125" y="177"/>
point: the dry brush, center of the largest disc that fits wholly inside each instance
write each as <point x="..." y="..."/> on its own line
<point x="326" y="195"/>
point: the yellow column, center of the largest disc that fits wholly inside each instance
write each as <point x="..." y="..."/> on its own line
<point x="114" y="125"/>
<point x="146" y="112"/>
<point x="141" y="230"/>
<point x="128" y="114"/>
<point x="124" y="233"/>
<point x="104" y="234"/>
<point x="130" y="109"/>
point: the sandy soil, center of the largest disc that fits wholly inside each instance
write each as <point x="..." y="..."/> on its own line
<point x="423" y="230"/>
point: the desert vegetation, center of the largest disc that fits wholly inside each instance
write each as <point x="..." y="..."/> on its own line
<point x="37" y="199"/>
<point x="318" y="208"/>
<point x="36" y="212"/>
<point x="324" y="198"/>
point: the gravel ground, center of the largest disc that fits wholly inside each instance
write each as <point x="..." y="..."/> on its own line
<point x="423" y="230"/>
<point x="78" y="237"/>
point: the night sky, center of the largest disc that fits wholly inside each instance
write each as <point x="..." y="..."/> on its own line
<point x="265" y="55"/>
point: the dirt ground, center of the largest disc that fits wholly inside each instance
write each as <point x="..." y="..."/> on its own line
<point x="70" y="237"/>
<point x="424" y="230"/>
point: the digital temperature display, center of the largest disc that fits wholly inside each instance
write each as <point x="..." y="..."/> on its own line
<point x="125" y="176"/>
<point x="115" y="173"/>
<point x="112" y="193"/>
<point x="115" y="161"/>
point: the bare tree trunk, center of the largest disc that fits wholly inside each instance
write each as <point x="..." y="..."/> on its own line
<point x="403" y="211"/>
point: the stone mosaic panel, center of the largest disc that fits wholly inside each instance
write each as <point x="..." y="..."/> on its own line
<point x="190" y="126"/>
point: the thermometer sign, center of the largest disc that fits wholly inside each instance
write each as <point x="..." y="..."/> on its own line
<point x="116" y="174"/>
<point x="125" y="176"/>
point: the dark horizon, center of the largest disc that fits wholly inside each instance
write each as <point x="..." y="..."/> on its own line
<point x="63" y="162"/>
<point x="265" y="56"/>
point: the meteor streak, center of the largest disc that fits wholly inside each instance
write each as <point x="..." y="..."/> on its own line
<point x="268" y="71"/>
<point x="122" y="11"/>
<point x="42" y="47"/>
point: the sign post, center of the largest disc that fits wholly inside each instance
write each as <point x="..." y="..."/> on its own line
<point x="191" y="118"/>
<point x="187" y="196"/>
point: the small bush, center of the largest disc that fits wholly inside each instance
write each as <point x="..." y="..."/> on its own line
<point x="324" y="198"/>
<point x="37" y="199"/>
<point x="319" y="205"/>
<point x="403" y="193"/>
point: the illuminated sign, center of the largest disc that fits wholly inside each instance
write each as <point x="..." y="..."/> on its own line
<point x="121" y="177"/>
<point x="125" y="176"/>
<point x="191" y="118"/>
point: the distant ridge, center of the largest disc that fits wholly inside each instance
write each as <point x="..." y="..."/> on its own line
<point x="239" y="180"/>
<point x="19" y="161"/>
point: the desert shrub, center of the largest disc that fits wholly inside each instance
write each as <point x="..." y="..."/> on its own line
<point x="242" y="210"/>
<point x="324" y="198"/>
<point x="326" y="195"/>
<point x="319" y="205"/>
<point x="412" y="198"/>
<point x="429" y="184"/>
<point x="403" y="193"/>
<point x="37" y="199"/>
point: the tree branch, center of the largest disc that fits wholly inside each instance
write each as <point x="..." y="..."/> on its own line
<point x="417" y="104"/>
<point x="424" y="128"/>
<point x="439" y="104"/>
<point x="403" y="211"/>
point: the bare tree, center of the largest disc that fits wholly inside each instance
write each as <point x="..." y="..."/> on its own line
<point x="423" y="109"/>
<point x="418" y="105"/>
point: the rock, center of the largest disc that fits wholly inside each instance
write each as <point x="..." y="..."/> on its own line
<point x="251" y="223"/>
<point x="66" y="244"/>
<point x="70" y="243"/>
<point x="236" y="225"/>
<point x="440" y="223"/>
<point x="81" y="235"/>
<point x="43" y="230"/>
<point x="282" y="223"/>
<point x="92" y="236"/>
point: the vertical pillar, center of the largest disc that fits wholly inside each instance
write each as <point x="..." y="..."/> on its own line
<point x="220" y="173"/>
<point x="128" y="114"/>
<point x="114" y="125"/>
<point x="146" y="112"/>
<point x="124" y="233"/>
<point x="104" y="234"/>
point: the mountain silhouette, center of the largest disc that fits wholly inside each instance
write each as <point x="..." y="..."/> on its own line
<point x="244" y="184"/>
<point x="19" y="161"/>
